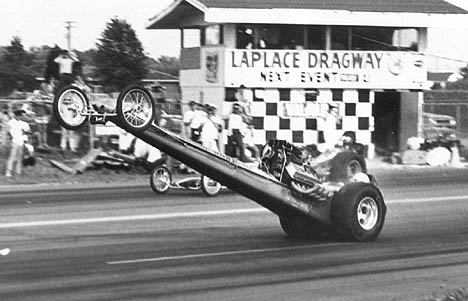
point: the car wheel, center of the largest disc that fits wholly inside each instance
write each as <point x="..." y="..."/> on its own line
<point x="70" y="107"/>
<point x="358" y="212"/>
<point x="210" y="187"/>
<point x="160" y="179"/>
<point x="345" y="165"/>
<point x="135" y="108"/>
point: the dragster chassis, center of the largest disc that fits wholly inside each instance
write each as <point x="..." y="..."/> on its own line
<point x="353" y="211"/>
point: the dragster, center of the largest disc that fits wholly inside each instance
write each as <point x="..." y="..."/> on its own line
<point x="309" y="199"/>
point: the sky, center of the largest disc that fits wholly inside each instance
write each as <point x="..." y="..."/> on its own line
<point x="42" y="22"/>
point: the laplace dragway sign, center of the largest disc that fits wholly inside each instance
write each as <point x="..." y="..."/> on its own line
<point x="325" y="69"/>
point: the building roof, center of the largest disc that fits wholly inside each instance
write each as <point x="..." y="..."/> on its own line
<point x="398" y="13"/>
<point x="402" y="6"/>
<point x="438" y="76"/>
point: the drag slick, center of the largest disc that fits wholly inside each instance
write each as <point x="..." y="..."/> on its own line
<point x="309" y="198"/>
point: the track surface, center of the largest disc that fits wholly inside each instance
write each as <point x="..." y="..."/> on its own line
<point x="127" y="243"/>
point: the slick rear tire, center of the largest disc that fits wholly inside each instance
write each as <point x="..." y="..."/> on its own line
<point x="358" y="212"/>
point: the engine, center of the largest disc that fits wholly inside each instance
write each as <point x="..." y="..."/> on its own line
<point x="287" y="164"/>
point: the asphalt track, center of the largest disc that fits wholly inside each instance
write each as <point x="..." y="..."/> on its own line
<point x="68" y="242"/>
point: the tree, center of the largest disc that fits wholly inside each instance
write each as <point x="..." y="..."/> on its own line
<point x="464" y="72"/>
<point x="16" y="72"/>
<point x="461" y="84"/>
<point x="120" y="59"/>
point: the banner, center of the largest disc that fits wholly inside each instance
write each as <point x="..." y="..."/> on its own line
<point x="325" y="69"/>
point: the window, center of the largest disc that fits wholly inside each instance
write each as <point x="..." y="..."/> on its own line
<point x="244" y="37"/>
<point x="339" y="38"/>
<point x="190" y="38"/>
<point x="372" y="38"/>
<point x="213" y="35"/>
<point x="291" y="37"/>
<point x="269" y="36"/>
<point x="316" y="37"/>
<point x="406" y="39"/>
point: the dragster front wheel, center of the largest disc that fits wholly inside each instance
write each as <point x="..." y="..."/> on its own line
<point x="160" y="179"/>
<point x="70" y="107"/>
<point x="209" y="186"/>
<point x="358" y="212"/>
<point x="135" y="108"/>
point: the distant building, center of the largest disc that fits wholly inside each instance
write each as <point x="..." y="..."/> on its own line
<point x="295" y="58"/>
<point x="438" y="80"/>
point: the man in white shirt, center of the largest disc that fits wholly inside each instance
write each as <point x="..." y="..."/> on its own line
<point x="198" y="116"/>
<point x="237" y="128"/>
<point x="330" y="134"/>
<point x="187" y="118"/>
<point x="210" y="129"/>
<point x="65" y="63"/>
<point x="4" y="118"/>
<point x="18" y="130"/>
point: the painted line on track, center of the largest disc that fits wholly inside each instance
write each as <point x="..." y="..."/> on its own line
<point x="205" y="255"/>
<point x="429" y="199"/>
<point x="127" y="218"/>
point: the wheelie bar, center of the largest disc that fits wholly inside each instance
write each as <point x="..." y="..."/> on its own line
<point x="237" y="176"/>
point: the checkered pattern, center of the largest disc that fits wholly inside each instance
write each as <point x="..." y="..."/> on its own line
<point x="271" y="122"/>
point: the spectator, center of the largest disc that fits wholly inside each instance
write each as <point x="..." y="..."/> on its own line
<point x="69" y="140"/>
<point x="236" y="132"/>
<point x="249" y="142"/>
<point x="196" y="124"/>
<point x="187" y="118"/>
<point x="65" y="62"/>
<point x="4" y="118"/>
<point x="161" y="117"/>
<point x="51" y="73"/>
<point x="18" y="130"/>
<point x="330" y="133"/>
<point x="244" y="100"/>
<point x="211" y="128"/>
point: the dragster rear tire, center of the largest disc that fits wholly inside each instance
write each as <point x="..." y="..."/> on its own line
<point x="160" y="179"/>
<point x="209" y="186"/>
<point x="135" y="108"/>
<point x="345" y="165"/>
<point x="358" y="212"/>
<point x="68" y="103"/>
<point x="301" y="227"/>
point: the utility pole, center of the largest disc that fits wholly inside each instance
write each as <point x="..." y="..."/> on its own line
<point x="69" y="26"/>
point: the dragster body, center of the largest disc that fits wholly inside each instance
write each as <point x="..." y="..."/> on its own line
<point x="309" y="198"/>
